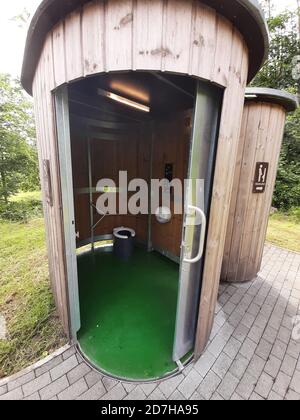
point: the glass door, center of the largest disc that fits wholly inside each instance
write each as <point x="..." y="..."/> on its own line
<point x="197" y="205"/>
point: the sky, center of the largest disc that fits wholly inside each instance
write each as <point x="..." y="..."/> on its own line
<point x="12" y="37"/>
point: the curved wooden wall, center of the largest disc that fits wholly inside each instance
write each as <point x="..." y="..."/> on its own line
<point x="182" y="36"/>
<point x="261" y="138"/>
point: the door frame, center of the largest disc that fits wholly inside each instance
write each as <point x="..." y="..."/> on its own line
<point x="62" y="121"/>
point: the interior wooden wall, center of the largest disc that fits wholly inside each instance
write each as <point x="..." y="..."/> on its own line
<point x="130" y="153"/>
<point x="183" y="36"/>
<point x="260" y="141"/>
<point x="171" y="144"/>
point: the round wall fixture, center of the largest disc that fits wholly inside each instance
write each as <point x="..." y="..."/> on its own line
<point x="163" y="215"/>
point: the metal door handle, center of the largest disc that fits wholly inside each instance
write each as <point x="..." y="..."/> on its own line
<point x="202" y="237"/>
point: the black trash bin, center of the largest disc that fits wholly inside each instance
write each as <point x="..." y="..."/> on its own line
<point x="123" y="242"/>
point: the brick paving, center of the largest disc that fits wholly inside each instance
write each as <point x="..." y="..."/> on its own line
<point x="253" y="353"/>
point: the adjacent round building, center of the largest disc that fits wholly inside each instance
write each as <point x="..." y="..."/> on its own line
<point x="254" y="181"/>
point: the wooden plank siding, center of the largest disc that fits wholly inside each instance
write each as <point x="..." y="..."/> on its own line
<point x="171" y="141"/>
<point x="73" y="46"/>
<point x="129" y="154"/>
<point x="47" y="145"/>
<point x="265" y="212"/>
<point x="147" y="47"/>
<point x="261" y="138"/>
<point x="92" y="31"/>
<point x="178" y="36"/>
<point x="230" y="127"/>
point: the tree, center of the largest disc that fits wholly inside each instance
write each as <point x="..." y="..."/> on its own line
<point x="279" y="73"/>
<point x="284" y="47"/>
<point x="298" y="13"/>
<point x="267" y="6"/>
<point x="18" y="155"/>
<point x="22" y="18"/>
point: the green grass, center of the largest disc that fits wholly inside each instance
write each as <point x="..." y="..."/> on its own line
<point x="27" y="196"/>
<point x="26" y="301"/>
<point x="284" y="230"/>
<point x="22" y="207"/>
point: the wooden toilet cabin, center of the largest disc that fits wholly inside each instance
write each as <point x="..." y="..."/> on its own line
<point x="155" y="88"/>
<point x="254" y="181"/>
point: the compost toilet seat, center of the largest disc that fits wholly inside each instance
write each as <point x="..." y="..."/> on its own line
<point x="117" y="232"/>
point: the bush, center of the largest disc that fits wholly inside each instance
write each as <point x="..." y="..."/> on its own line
<point x="295" y="214"/>
<point x="287" y="189"/>
<point x="21" y="211"/>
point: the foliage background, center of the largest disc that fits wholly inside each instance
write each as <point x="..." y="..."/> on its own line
<point x="280" y="72"/>
<point x="18" y="153"/>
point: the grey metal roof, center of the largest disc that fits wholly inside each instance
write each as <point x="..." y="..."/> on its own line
<point x="287" y="100"/>
<point x="246" y="15"/>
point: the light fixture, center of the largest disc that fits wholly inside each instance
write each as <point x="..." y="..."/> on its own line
<point x="123" y="100"/>
<point x="248" y="96"/>
<point x="139" y="93"/>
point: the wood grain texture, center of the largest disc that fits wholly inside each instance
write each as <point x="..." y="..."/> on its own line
<point x="148" y="42"/>
<point x="203" y="57"/>
<point x="119" y="35"/>
<point x="179" y="36"/>
<point x="73" y="46"/>
<point x="129" y="154"/>
<point x="92" y="32"/>
<point x="170" y="146"/>
<point x="59" y="54"/>
<point x="261" y="138"/>
<point x="47" y="146"/>
<point x="265" y="212"/>
<point x="132" y="154"/>
<point x="233" y="214"/>
<point x="223" y="183"/>
<point x="222" y="53"/>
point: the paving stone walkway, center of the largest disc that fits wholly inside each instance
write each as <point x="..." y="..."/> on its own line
<point x="253" y="353"/>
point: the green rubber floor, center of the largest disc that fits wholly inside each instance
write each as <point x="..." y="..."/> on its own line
<point x="128" y="312"/>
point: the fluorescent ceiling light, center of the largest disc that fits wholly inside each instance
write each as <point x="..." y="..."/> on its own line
<point x="123" y="100"/>
<point x="126" y="89"/>
<point x="250" y="96"/>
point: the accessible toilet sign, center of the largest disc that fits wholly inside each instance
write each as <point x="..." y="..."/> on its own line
<point x="260" y="177"/>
